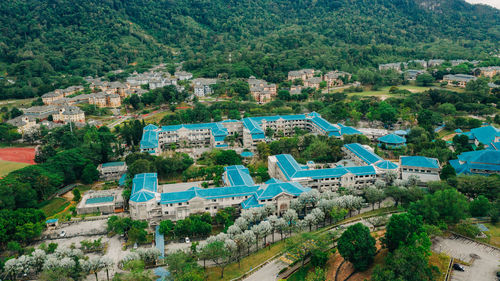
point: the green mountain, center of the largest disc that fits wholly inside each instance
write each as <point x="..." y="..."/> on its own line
<point x="42" y="39"/>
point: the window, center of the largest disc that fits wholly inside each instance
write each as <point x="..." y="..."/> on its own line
<point x="180" y="204"/>
<point x="206" y="208"/>
<point x="214" y="200"/>
<point x="215" y="207"/>
<point x="166" y="212"/>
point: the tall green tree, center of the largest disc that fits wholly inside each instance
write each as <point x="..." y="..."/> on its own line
<point x="357" y="246"/>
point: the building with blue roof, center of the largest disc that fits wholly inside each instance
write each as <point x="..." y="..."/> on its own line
<point x="392" y="141"/>
<point x="425" y="168"/>
<point x="112" y="170"/>
<point x="148" y="203"/>
<point x="487" y="135"/>
<point x="284" y="167"/>
<point x="483" y="162"/>
<point x="252" y="130"/>
<point x="101" y="201"/>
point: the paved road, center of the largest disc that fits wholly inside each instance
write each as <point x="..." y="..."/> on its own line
<point x="482" y="268"/>
<point x="269" y="272"/>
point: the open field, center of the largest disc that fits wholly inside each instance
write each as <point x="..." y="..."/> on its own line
<point x="16" y="103"/>
<point x="54" y="206"/>
<point x="493" y="234"/>
<point x="9" y="166"/>
<point x="441" y="261"/>
<point x="18" y="154"/>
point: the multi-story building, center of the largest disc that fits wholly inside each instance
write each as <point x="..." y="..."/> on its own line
<point x="202" y="86"/>
<point x="334" y="78"/>
<point x="483" y="162"/>
<point x="24" y="123"/>
<point x="302" y="74"/>
<point x="435" y="62"/>
<point x="69" y="114"/>
<point x="487" y="135"/>
<point x="260" y="90"/>
<point x="424" y="168"/>
<point x="98" y="99"/>
<point x="393" y="66"/>
<point x="51" y="97"/>
<point x="147" y="202"/>
<point x="459" y="80"/>
<point x="313" y="82"/>
<point x="488" y="71"/>
<point x="252" y="130"/>
<point x="112" y="170"/>
<point x="183" y="75"/>
<point x="284" y="167"/>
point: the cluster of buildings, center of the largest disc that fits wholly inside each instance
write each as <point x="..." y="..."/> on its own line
<point x="261" y="90"/>
<point x="400" y="66"/>
<point x="251" y="129"/>
<point x="312" y="79"/>
<point x="153" y="202"/>
<point x="61" y="114"/>
<point x="202" y="87"/>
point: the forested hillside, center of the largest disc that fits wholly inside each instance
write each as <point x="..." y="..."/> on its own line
<point x="42" y="39"/>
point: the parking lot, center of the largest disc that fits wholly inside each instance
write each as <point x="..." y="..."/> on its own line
<point x="484" y="260"/>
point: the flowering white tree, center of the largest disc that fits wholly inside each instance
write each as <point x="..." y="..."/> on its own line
<point x="63" y="251"/>
<point x="374" y="195"/>
<point x="329" y="195"/>
<point x="53" y="262"/>
<point x="319" y="215"/>
<point x="380" y="184"/>
<point x="233" y="230"/>
<point x="296" y="205"/>
<point x="273" y="220"/>
<point x="39" y="257"/>
<point x="309" y="199"/>
<point x="149" y="255"/>
<point x="15" y="267"/>
<point x="291" y="218"/>
<point x="133" y="256"/>
<point x="326" y="206"/>
<point x="107" y="264"/>
<point x="349" y="202"/>
<point x="281" y="226"/>
<point x="249" y="238"/>
<point x="92" y="266"/>
<point x="390" y="177"/>
<point x="268" y="210"/>
<point x="265" y="229"/>
<point x="242" y="223"/>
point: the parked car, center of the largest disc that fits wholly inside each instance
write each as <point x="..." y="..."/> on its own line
<point x="187" y="240"/>
<point x="62" y="234"/>
<point x="458" y="267"/>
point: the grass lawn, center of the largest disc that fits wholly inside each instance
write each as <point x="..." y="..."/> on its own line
<point x="384" y="91"/>
<point x="54" y="206"/>
<point x="8" y="166"/>
<point x="16" y="103"/>
<point x="233" y="271"/>
<point x="493" y="234"/>
<point x="441" y="261"/>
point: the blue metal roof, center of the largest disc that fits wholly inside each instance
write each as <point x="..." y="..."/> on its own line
<point x="144" y="187"/>
<point x="387" y="165"/>
<point x="292" y="169"/>
<point x="238" y="175"/>
<point x="364" y="154"/>
<point x="485" y="135"/>
<point x="419" y="161"/>
<point x="251" y="202"/>
<point x="392" y="139"/>
<point x="122" y="179"/>
<point x="210" y="193"/>
<point x="52" y="221"/>
<point x="274" y="189"/>
<point x="112" y="164"/>
<point x="246" y="154"/>
<point x="99" y="200"/>
<point x="149" y="139"/>
<point x="488" y="160"/>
